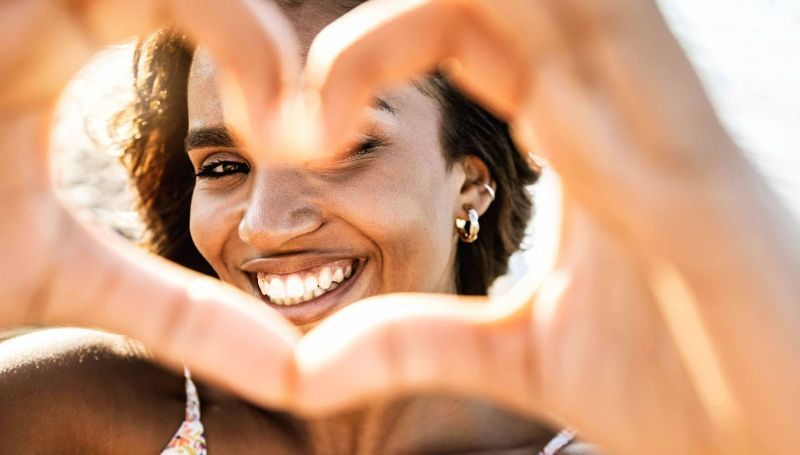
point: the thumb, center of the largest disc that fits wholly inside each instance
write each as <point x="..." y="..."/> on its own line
<point x="183" y="317"/>
<point x="403" y="343"/>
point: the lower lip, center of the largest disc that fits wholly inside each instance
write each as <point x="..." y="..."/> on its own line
<point x="319" y="307"/>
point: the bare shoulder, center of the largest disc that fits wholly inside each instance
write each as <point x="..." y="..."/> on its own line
<point x="84" y="391"/>
<point x="62" y="346"/>
<point x="74" y="389"/>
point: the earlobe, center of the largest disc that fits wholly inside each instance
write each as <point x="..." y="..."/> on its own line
<point x="478" y="190"/>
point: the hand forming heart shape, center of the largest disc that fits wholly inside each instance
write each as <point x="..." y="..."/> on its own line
<point x="662" y="217"/>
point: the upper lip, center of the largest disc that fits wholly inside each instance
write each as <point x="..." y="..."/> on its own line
<point x="285" y="265"/>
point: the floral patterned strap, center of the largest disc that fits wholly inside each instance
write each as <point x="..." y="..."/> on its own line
<point x="190" y="439"/>
<point x="561" y="440"/>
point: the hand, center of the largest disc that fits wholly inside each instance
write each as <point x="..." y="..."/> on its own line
<point x="597" y="133"/>
<point x="671" y="250"/>
<point x="56" y="270"/>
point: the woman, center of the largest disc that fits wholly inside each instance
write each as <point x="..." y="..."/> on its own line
<point x="607" y="116"/>
<point x="311" y="239"/>
<point x="378" y="219"/>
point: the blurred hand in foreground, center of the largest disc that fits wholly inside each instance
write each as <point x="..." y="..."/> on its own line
<point x="56" y="270"/>
<point x="670" y="320"/>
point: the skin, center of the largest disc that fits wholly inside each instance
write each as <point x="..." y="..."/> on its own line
<point x="671" y="245"/>
<point x="393" y="209"/>
<point x="83" y="391"/>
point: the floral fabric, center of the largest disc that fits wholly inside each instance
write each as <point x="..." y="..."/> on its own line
<point x="561" y="440"/>
<point x="190" y="439"/>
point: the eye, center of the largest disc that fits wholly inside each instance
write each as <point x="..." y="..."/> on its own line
<point x="221" y="168"/>
<point x="365" y="146"/>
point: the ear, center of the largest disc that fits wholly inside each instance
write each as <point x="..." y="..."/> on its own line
<point x="474" y="193"/>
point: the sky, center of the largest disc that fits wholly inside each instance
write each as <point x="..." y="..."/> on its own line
<point x="748" y="54"/>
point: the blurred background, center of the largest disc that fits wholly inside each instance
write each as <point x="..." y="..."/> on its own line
<point x="747" y="53"/>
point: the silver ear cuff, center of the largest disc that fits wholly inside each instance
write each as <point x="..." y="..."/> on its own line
<point x="489" y="190"/>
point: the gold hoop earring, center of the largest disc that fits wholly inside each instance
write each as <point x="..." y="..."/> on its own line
<point x="468" y="229"/>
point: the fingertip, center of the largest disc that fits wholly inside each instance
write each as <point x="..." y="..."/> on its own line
<point x="293" y="133"/>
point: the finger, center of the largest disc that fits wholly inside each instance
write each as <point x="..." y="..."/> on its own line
<point x="386" y="42"/>
<point x="267" y="67"/>
<point x="411" y="343"/>
<point x="34" y="66"/>
<point x="251" y="39"/>
<point x="184" y="318"/>
<point x="67" y="32"/>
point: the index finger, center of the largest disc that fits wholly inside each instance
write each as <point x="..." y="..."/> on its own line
<point x="381" y="43"/>
<point x="252" y="40"/>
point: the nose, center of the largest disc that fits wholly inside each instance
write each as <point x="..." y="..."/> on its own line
<point x="280" y="209"/>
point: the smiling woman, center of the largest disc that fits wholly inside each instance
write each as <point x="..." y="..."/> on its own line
<point x="670" y="245"/>
<point x="308" y="240"/>
<point x="377" y="218"/>
<point x="388" y="207"/>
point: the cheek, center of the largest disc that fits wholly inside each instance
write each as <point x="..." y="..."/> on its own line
<point x="404" y="206"/>
<point x="212" y="221"/>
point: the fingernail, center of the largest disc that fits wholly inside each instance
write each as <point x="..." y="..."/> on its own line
<point x="452" y="68"/>
<point x="338" y="127"/>
<point x="298" y="128"/>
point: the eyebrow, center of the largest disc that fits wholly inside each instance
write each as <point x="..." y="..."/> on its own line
<point x="381" y="104"/>
<point x="220" y="136"/>
<point x="213" y="136"/>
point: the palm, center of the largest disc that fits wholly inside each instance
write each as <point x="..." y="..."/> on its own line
<point x="591" y="348"/>
<point x="598" y="352"/>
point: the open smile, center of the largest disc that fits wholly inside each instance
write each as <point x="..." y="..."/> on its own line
<point x="307" y="295"/>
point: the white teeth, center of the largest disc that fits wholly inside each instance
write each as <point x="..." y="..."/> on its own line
<point x="311" y="283"/>
<point x="294" y="287"/>
<point x="276" y="291"/>
<point x="325" y="278"/>
<point x="263" y="284"/>
<point x="338" y="275"/>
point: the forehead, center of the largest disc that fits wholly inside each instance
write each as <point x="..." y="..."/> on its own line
<point x="406" y="105"/>
<point x="308" y="18"/>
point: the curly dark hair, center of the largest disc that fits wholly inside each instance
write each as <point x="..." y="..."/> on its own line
<point x="163" y="176"/>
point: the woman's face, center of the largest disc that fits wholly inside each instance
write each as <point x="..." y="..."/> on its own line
<point x="310" y="239"/>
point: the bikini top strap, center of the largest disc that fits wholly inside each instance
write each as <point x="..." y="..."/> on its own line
<point x="190" y="438"/>
<point x="559" y="441"/>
